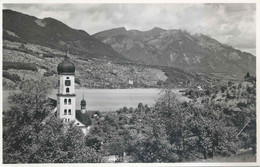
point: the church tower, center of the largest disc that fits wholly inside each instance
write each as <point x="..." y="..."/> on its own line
<point x="66" y="98"/>
<point x="83" y="104"/>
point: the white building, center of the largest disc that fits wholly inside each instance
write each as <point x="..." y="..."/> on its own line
<point x="130" y="82"/>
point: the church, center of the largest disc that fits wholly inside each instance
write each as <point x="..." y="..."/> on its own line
<point x="66" y="97"/>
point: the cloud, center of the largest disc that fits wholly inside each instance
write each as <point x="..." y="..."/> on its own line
<point x="232" y="24"/>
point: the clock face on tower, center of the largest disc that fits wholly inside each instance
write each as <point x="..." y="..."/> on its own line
<point x="67" y="82"/>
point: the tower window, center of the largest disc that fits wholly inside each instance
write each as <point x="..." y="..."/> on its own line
<point x="65" y="112"/>
<point x="65" y="101"/>
<point x="58" y="82"/>
<point x="67" y="90"/>
<point x="69" y="111"/>
<point x="68" y="120"/>
<point x="69" y="101"/>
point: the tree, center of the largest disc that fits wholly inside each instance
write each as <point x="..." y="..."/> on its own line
<point x="31" y="133"/>
<point x="22" y="122"/>
<point x="239" y="85"/>
<point x="77" y="81"/>
<point x="174" y="115"/>
<point x="247" y="75"/>
<point x="196" y="132"/>
<point x="116" y="148"/>
<point x="140" y="105"/>
<point x="150" y="144"/>
<point x="215" y="135"/>
<point x="223" y="88"/>
<point x="230" y="83"/>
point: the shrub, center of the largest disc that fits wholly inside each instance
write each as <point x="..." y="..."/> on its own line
<point x="230" y="83"/>
<point x="77" y="81"/>
<point x="239" y="85"/>
<point x="48" y="73"/>
<point x="223" y="88"/>
<point x="241" y="104"/>
<point x="247" y="75"/>
<point x="12" y="77"/>
<point x="19" y="66"/>
<point x="48" y="55"/>
<point x="214" y="96"/>
<point x="44" y="67"/>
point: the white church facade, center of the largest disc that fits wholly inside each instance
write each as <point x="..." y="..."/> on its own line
<point x="66" y="97"/>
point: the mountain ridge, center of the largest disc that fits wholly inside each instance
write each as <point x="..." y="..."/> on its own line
<point x="52" y="33"/>
<point x="178" y="48"/>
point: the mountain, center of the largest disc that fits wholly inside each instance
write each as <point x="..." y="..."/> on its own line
<point x="54" y="34"/>
<point x="177" y="48"/>
<point x="32" y="49"/>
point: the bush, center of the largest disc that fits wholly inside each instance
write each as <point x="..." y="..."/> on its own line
<point x="241" y="104"/>
<point x="19" y="66"/>
<point x="140" y="105"/>
<point x="48" y="73"/>
<point x="214" y="96"/>
<point x="239" y="86"/>
<point x="230" y="83"/>
<point x="250" y="90"/>
<point x="48" y="55"/>
<point x="12" y="77"/>
<point x="247" y="75"/>
<point x="229" y="96"/>
<point x="223" y="88"/>
<point x="77" y="81"/>
<point x="44" y="67"/>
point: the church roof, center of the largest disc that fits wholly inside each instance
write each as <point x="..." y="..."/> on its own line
<point x="66" y="67"/>
<point x="84" y="118"/>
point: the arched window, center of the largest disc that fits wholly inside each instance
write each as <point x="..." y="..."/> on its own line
<point x="68" y="120"/>
<point x="67" y="90"/>
<point x="69" y="101"/>
<point x="69" y="111"/>
<point x="65" y="101"/>
<point x="65" y="112"/>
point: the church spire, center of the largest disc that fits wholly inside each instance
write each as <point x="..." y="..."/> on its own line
<point x="66" y="52"/>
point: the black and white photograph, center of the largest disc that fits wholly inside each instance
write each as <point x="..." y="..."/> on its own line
<point x="129" y="83"/>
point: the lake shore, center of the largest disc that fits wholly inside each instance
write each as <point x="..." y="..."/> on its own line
<point x="107" y="100"/>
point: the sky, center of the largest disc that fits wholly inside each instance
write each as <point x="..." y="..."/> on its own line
<point x="232" y="24"/>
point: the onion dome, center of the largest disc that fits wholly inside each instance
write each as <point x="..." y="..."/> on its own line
<point x="83" y="102"/>
<point x="66" y="67"/>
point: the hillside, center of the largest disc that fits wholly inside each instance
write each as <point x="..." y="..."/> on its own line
<point x="177" y="48"/>
<point x="32" y="49"/>
<point x="54" y="34"/>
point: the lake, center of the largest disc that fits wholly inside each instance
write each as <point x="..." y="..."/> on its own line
<point x="111" y="99"/>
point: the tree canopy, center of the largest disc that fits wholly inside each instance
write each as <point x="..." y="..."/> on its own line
<point x="32" y="134"/>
